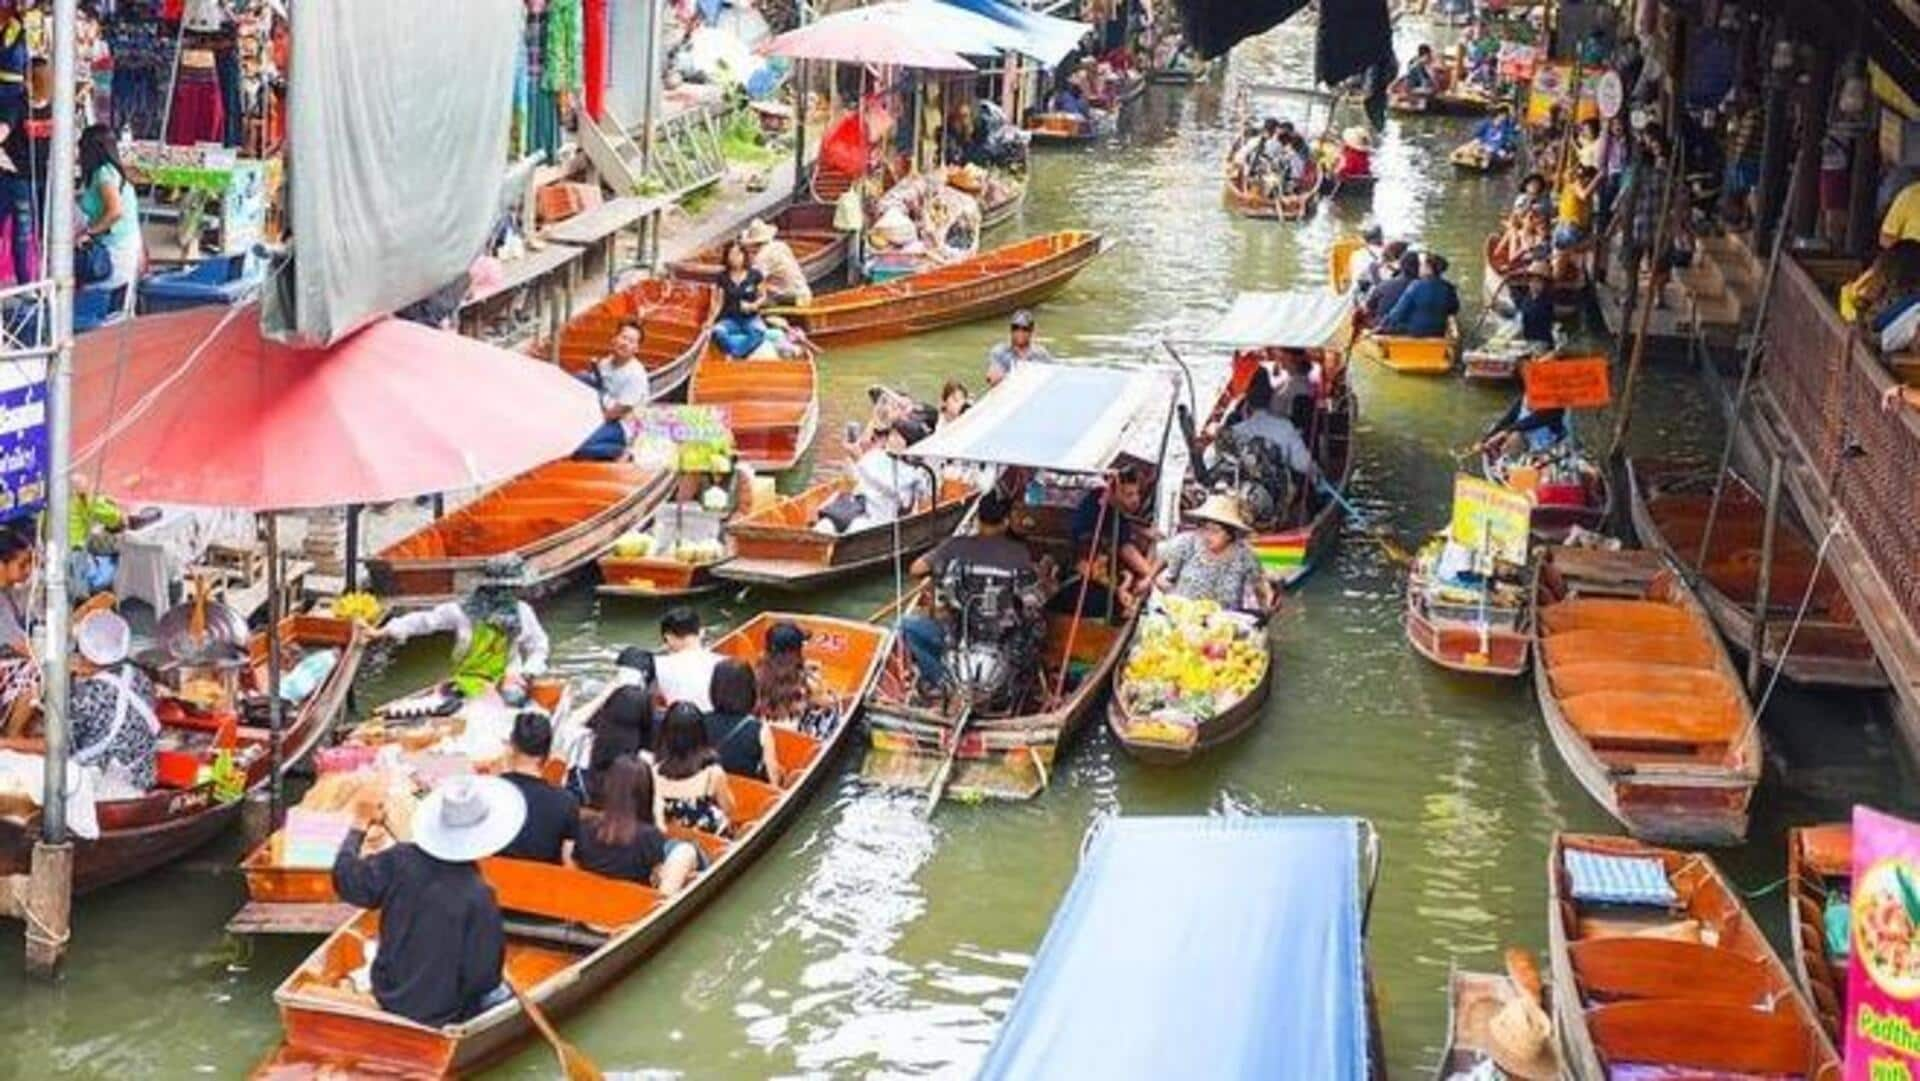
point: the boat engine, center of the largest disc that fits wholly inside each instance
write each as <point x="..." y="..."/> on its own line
<point x="993" y="635"/>
<point x="1252" y="470"/>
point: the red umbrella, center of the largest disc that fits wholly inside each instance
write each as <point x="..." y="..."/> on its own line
<point x="867" y="35"/>
<point x="197" y="407"/>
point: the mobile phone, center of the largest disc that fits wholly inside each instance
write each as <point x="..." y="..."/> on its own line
<point x="853" y="431"/>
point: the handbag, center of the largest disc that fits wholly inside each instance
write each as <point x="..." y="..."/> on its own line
<point x="92" y="262"/>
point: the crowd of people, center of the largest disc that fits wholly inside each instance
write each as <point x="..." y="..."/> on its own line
<point x="1401" y="290"/>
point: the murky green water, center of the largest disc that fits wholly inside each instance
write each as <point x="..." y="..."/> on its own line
<point x="873" y="943"/>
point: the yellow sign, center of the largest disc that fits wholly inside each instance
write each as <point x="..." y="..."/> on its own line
<point x="1553" y="85"/>
<point x="1487" y="516"/>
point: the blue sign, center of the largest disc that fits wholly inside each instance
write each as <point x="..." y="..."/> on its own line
<point x="23" y="439"/>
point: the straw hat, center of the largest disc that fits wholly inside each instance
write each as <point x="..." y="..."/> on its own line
<point x="1222" y="509"/>
<point x="1520" y="1039"/>
<point x="1357" y="138"/>
<point x="103" y="638"/>
<point x="759" y="231"/>
<point x="469" y="818"/>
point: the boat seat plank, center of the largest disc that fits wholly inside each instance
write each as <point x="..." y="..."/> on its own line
<point x="1681" y="651"/>
<point x="1701" y="1036"/>
<point x="1614" y="614"/>
<point x="566" y="893"/>
<point x="1573" y="677"/>
<point x="529" y="965"/>
<point x="794" y="749"/>
<point x="752" y="800"/>
<point x="1641" y="717"/>
<point x="712" y="845"/>
<point x="1624" y="968"/>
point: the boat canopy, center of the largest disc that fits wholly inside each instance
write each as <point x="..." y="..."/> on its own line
<point x="990" y="28"/>
<point x="1046" y="38"/>
<point x="1200" y="947"/>
<point x="1305" y="319"/>
<point x="1069" y="418"/>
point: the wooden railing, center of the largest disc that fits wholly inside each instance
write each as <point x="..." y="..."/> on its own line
<point x="1827" y="385"/>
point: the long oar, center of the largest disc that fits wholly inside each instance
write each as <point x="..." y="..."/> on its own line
<point x="1379" y="533"/>
<point x="574" y="1063"/>
<point x="939" y="785"/>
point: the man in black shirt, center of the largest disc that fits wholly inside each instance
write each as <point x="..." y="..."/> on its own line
<point x="442" y="950"/>
<point x="990" y="548"/>
<point x="553" y="816"/>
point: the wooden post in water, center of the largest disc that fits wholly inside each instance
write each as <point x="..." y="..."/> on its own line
<point x="1763" y="585"/>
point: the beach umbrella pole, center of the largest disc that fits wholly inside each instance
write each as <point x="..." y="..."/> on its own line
<point x="275" y="708"/>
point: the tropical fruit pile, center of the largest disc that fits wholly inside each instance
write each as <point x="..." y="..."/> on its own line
<point x="647" y="546"/>
<point x="1192" y="658"/>
<point x="359" y="607"/>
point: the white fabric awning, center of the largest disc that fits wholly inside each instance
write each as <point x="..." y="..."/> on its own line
<point x="1070" y="418"/>
<point x="1307" y="319"/>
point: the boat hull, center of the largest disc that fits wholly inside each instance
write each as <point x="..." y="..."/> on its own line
<point x="790" y="556"/>
<point x="1223" y="727"/>
<point x="1816" y="856"/>
<point x="1412" y="356"/>
<point x="1462" y="647"/>
<point x="806" y="227"/>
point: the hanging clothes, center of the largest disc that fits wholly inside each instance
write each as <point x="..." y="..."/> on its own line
<point x="594" y="48"/>
<point x="562" y="61"/>
<point x="226" y="69"/>
<point x="199" y="114"/>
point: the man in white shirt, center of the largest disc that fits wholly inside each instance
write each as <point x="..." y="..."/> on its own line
<point x="621" y="380"/>
<point x="684" y="671"/>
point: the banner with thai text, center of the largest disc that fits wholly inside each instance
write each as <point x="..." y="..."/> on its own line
<point x="1569" y="383"/>
<point x="23" y="438"/>
<point x="1487" y="516"/>
<point x="1883" y="965"/>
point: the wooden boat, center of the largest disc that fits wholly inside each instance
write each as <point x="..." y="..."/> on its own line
<point x="1492" y="365"/>
<point x="779" y="547"/>
<point x="991" y="283"/>
<point x="1691" y="989"/>
<point x="1670" y="507"/>
<point x="557" y="519"/>
<point x="662" y="575"/>
<point x="675" y="317"/>
<point x="1003" y="210"/>
<point x="1640" y="698"/>
<point x="160" y="826"/>
<point x="1557" y="509"/>
<point x="605" y="927"/>
<point x="806" y="227"/>
<point x="1450" y="97"/>
<point x="1459" y="631"/>
<point x="772" y="407"/>
<point x="1473" y="1000"/>
<point x="1466" y="159"/>
<point x="1819" y="869"/>
<point x="1258" y="205"/>
<point x="1170" y="736"/>
<point x="1062" y="129"/>
<point x="1498" y="276"/>
<point x="1412" y="356"/>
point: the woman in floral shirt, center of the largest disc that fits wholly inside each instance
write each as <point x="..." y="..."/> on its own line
<point x="1215" y="562"/>
<point x="112" y="704"/>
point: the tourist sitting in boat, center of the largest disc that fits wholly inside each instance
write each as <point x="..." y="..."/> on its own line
<point x="1419" y="79"/>
<point x="1526" y="244"/>
<point x="689" y="787"/>
<point x="112" y="719"/>
<point x="989" y="553"/>
<point x="884" y="486"/>
<point x="1364" y="265"/>
<point x="623" y="725"/>
<point x="785" y="280"/>
<point x="1427" y="306"/>
<point x="553" y="814"/>
<point x="1300" y="377"/>
<point x="1257" y="418"/>
<point x="1068" y="99"/>
<point x="621" y="381"/>
<point x="1104" y="534"/>
<point x="622" y="837"/>
<point x="1215" y="562"/>
<point x="740" y="330"/>
<point x="1240" y="155"/>
<point x="1531" y="327"/>
<point x="1498" y="136"/>
<point x="1018" y="347"/>
<point x="1534" y="197"/>
<point x="1522" y="430"/>
<point x="498" y="643"/>
<point x="442" y="947"/>
<point x="1480" y="52"/>
<point x="685" y="668"/>
<point x="954" y="402"/>
<point x="20" y="676"/>
<point x="743" y="740"/>
<point x="1406" y="271"/>
<point x="790" y="690"/>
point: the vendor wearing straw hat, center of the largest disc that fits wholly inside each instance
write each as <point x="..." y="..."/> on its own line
<point x="112" y="714"/>
<point x="1356" y="154"/>
<point x="784" y="278"/>
<point x="442" y="948"/>
<point x="497" y="640"/>
<point x="1215" y="561"/>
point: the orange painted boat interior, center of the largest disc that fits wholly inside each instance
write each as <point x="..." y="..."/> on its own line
<point x="1640" y="680"/>
<point x="661" y="573"/>
<point x="987" y="264"/>
<point x="523" y="511"/>
<point x="799" y="512"/>
<point x="1070" y="125"/>
<point x="1819" y="863"/>
<point x="1695" y="987"/>
<point x="767" y="402"/>
<point x="1733" y="563"/>
<point x="807" y="228"/>
<point x="673" y="315"/>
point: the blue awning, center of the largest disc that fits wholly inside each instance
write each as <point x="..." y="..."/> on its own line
<point x="1200" y="947"/>
<point x="1045" y="38"/>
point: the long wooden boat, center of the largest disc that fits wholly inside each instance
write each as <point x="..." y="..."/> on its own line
<point x="606" y="926"/>
<point x="1169" y="736"/>
<point x="1461" y="632"/>
<point x="1466" y="160"/>
<point x="1063" y="129"/>
<point x="663" y="574"/>
<point x="1446" y="99"/>
<point x="991" y="283"/>
<point x="772" y="407"/>
<point x="1473" y="1000"/>
<point x="779" y="547"/>
<point x="675" y="317"/>
<point x="558" y="519"/>
<point x="1819" y="871"/>
<point x="1497" y="276"/>
<point x="1557" y="512"/>
<point x="1492" y="364"/>
<point x="1685" y="989"/>
<point x="806" y="227"/>
<point x="1412" y="356"/>
<point x="143" y="832"/>
<point x="1640" y="698"/>
<point x="1670" y="505"/>
<point x="1259" y="206"/>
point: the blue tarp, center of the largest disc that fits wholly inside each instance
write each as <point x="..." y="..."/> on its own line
<point x="1045" y="38"/>
<point x="1200" y="947"/>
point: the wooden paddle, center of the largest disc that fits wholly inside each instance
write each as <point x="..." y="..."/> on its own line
<point x="574" y="1063"/>
<point x="1379" y="534"/>
<point x="939" y="785"/>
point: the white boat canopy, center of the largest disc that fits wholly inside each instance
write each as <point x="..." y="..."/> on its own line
<point x="1068" y="418"/>
<point x="1303" y="319"/>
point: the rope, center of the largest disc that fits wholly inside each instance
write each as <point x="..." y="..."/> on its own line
<point x="1799" y="617"/>
<point x="39" y="932"/>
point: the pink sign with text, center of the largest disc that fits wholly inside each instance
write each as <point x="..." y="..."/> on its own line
<point x="1883" y="969"/>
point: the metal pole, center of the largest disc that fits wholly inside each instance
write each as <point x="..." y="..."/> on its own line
<point x="800" y="72"/>
<point x="50" y="890"/>
<point x="1757" y="640"/>
<point x="352" y="569"/>
<point x="276" y="611"/>
<point x="656" y="10"/>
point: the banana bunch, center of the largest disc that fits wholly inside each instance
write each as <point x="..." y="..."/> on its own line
<point x="634" y="545"/>
<point x="1191" y="657"/>
<point x="358" y="607"/>
<point x="699" y="552"/>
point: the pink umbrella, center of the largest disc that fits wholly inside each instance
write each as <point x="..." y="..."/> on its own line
<point x="868" y="35"/>
<point x="198" y="407"/>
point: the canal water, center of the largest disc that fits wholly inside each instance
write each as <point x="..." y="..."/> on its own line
<point x="874" y="942"/>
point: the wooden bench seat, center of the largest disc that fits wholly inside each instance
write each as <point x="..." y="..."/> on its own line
<point x="558" y="892"/>
<point x="1682" y="651"/>
<point x="752" y="800"/>
<point x="1614" y="614"/>
<point x="1627" y="968"/>
<point x="1661" y="719"/>
<point x="1702" y="1036"/>
<point x="1570" y="678"/>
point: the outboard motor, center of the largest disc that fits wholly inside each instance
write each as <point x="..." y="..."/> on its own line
<point x="993" y="640"/>
<point x="1251" y="469"/>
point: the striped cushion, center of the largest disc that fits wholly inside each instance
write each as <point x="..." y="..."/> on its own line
<point x="1623" y="880"/>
